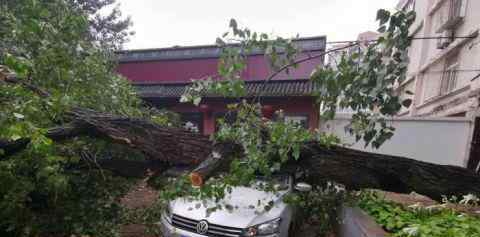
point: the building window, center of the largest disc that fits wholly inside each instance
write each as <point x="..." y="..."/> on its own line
<point x="192" y="121"/>
<point x="450" y="75"/>
<point x="456" y="9"/>
<point x="301" y="120"/>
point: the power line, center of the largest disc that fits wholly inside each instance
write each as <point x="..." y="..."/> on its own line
<point x="458" y="70"/>
<point x="411" y="38"/>
<point x="475" y="77"/>
<point x="443" y="37"/>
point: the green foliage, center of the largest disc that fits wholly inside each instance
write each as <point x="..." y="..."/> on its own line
<point x="108" y="28"/>
<point x="50" y="193"/>
<point x="165" y="118"/>
<point x="199" y="88"/>
<point x="46" y="188"/>
<point x="421" y="222"/>
<point x="366" y="81"/>
<point x="267" y="148"/>
<point x="53" y="45"/>
<point x="318" y="209"/>
<point x="237" y="44"/>
<point x="263" y="139"/>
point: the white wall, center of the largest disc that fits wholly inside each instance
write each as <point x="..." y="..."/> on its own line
<point x="443" y="141"/>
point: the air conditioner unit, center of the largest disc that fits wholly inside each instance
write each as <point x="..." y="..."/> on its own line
<point x="445" y="39"/>
<point x="450" y="14"/>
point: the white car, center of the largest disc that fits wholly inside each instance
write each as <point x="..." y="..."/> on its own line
<point x="185" y="217"/>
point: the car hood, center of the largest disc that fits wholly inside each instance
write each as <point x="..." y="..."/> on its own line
<point x="243" y="209"/>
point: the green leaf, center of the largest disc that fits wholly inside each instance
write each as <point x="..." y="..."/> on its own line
<point x="220" y="42"/>
<point x="382" y="29"/>
<point x="233" y="24"/>
<point x="197" y="100"/>
<point x="407" y="103"/>
<point x="383" y="16"/>
<point x="18" y="116"/>
<point x="15" y="137"/>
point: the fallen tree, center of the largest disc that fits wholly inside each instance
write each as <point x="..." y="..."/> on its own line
<point x="173" y="147"/>
<point x="46" y="190"/>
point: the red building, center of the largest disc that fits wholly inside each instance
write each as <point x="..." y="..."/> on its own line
<point x="161" y="76"/>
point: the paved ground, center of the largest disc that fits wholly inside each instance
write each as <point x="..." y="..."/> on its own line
<point x="140" y="196"/>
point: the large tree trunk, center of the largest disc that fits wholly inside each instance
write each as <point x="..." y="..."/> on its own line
<point x="355" y="169"/>
<point x="358" y="169"/>
<point x="171" y="145"/>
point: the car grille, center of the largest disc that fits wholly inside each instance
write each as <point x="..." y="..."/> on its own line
<point x="213" y="230"/>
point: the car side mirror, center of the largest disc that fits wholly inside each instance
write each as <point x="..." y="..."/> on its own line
<point x="303" y="187"/>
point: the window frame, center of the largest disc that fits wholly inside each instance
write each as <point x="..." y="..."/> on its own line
<point x="305" y="116"/>
<point x="184" y="118"/>
<point x="449" y="80"/>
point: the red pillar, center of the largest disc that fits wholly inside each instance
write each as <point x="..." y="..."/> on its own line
<point x="267" y="111"/>
<point x="208" y="123"/>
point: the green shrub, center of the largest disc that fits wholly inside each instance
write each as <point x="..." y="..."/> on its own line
<point x="435" y="221"/>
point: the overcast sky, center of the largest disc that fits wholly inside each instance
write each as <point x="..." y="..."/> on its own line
<point x="166" y="23"/>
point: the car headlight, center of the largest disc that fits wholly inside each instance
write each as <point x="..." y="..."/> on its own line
<point x="266" y="228"/>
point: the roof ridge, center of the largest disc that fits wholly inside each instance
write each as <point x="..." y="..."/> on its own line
<point x="272" y="88"/>
<point x="148" y="83"/>
<point x="310" y="44"/>
<point x="199" y="46"/>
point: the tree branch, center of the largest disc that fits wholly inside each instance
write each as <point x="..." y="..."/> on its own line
<point x="12" y="79"/>
<point x="299" y="61"/>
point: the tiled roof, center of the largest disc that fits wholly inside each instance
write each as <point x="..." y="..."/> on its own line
<point x="276" y="88"/>
<point x="204" y="51"/>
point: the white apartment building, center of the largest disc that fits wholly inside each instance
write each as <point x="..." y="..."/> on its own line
<point x="444" y="68"/>
<point x="443" y="80"/>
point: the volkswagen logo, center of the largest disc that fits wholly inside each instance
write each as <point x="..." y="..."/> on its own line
<point x="202" y="227"/>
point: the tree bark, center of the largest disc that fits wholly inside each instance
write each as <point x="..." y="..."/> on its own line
<point x="355" y="169"/>
<point x="218" y="160"/>
<point x="174" y="146"/>
<point x="358" y="169"/>
<point x="121" y="167"/>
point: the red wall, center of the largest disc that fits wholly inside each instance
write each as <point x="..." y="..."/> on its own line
<point x="174" y="71"/>
<point x="290" y="106"/>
